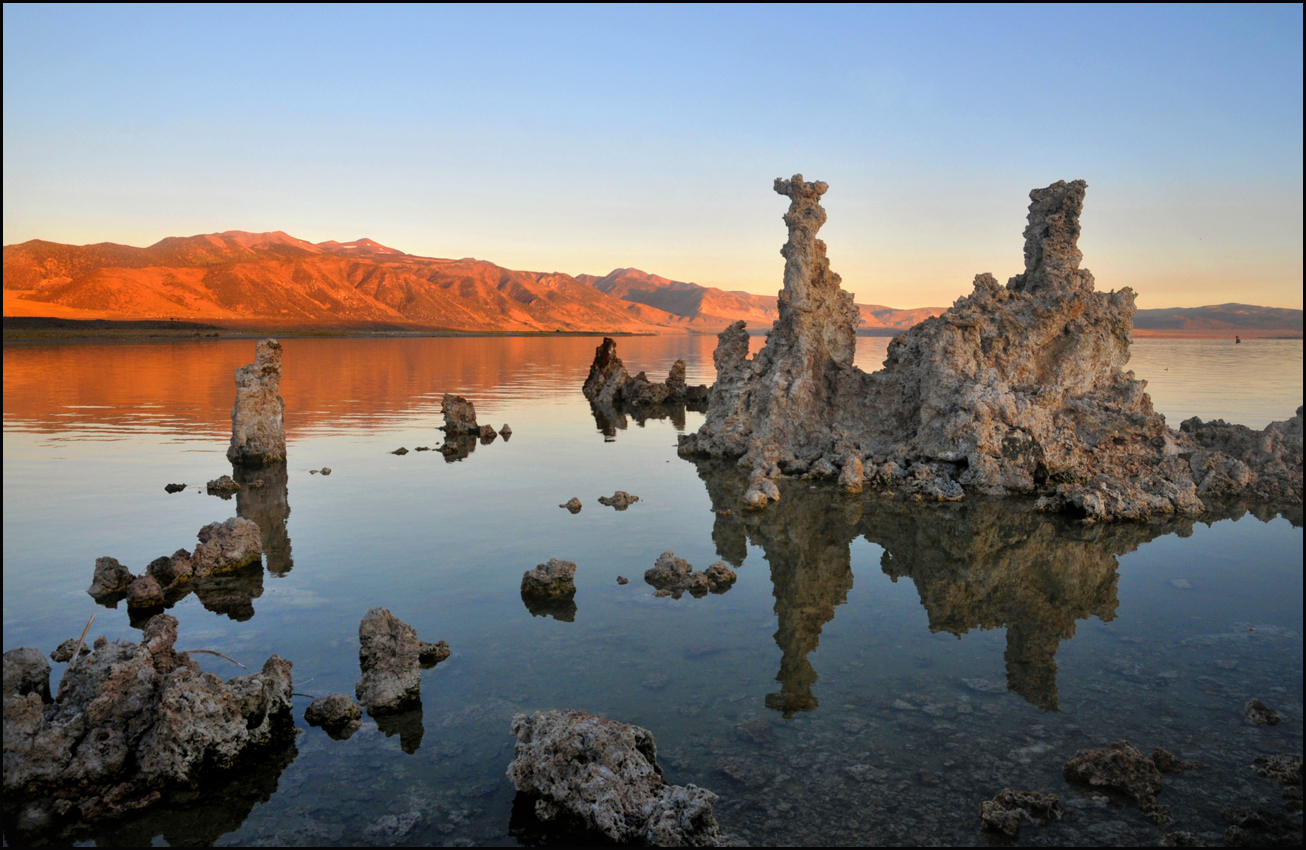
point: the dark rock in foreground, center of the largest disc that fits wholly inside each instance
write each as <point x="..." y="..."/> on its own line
<point x="1117" y="766"/>
<point x="602" y="777"/>
<point x="131" y="721"/>
<point x="1009" y="810"/>
<point x="389" y="655"/>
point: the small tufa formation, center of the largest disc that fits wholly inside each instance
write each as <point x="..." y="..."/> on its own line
<point x="431" y="654"/>
<point x="223" y="485"/>
<point x="389" y="655"/>
<point x="1015" y="389"/>
<point x="459" y="417"/>
<point x="258" y="435"/>
<point x="549" y="590"/>
<point x="610" y="384"/>
<point x="1006" y="812"/>
<point x="619" y="500"/>
<point x="130" y="722"/>
<point x="1117" y="766"/>
<point x="673" y="576"/>
<point x="603" y="777"/>
<point x="224" y="548"/>
<point x="572" y="504"/>
<point x="337" y="714"/>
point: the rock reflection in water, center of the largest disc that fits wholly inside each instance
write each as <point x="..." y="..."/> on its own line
<point x="559" y="608"/>
<point x="268" y="506"/>
<point x="981" y="564"/>
<point x="609" y="419"/>
<point x="407" y="724"/>
<point x="458" y="447"/>
<point x="185" y="818"/>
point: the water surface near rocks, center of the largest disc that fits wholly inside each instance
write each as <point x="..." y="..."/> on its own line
<point x="877" y="670"/>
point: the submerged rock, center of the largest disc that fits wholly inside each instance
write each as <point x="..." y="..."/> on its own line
<point x="258" y="435"/>
<point x="619" y="500"/>
<point x="389" y="656"/>
<point x="1015" y="389"/>
<point x="610" y="384"/>
<point x="1009" y="810"/>
<point x="1260" y="826"/>
<point x="1118" y="766"/>
<point x="133" y="720"/>
<point x="459" y="416"/>
<point x="1168" y="762"/>
<point x="673" y="576"/>
<point x="603" y="776"/>
<point x="1260" y="714"/>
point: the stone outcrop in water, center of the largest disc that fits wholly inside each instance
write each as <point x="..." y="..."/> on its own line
<point x="1015" y="389"/>
<point x="258" y="434"/>
<point x="459" y="416"/>
<point x="1008" y="811"/>
<point x="225" y="571"/>
<point x="602" y="777"/>
<point x="389" y="655"/>
<point x="130" y="722"/>
<point x="674" y="576"/>
<point x="610" y="384"/>
<point x="550" y="590"/>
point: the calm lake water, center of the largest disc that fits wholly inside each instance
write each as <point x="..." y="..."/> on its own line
<point x="878" y="669"/>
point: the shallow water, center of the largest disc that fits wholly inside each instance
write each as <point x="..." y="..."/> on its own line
<point x="878" y="669"/>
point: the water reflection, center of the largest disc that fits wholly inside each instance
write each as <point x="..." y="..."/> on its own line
<point x="609" y="419"/>
<point x="561" y="608"/>
<point x="267" y="505"/>
<point x="407" y="724"/>
<point x="184" y="818"/>
<point x="980" y="564"/>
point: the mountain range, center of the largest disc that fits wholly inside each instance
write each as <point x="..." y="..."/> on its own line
<point x="237" y="278"/>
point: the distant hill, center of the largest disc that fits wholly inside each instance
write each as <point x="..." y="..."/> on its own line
<point x="1230" y="317"/>
<point x="274" y="279"/>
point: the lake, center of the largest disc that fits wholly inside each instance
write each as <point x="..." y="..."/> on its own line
<point x="878" y="669"/>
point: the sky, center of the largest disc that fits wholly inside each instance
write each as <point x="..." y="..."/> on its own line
<point x="582" y="139"/>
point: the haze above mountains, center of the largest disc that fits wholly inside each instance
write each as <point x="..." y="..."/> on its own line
<point x="276" y="280"/>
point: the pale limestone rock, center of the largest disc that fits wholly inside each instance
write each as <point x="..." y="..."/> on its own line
<point x="1015" y="389"/>
<point x="606" y="774"/>
<point x="389" y="655"/>
<point x="258" y="434"/>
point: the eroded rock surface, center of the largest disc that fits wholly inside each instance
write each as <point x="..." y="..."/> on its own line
<point x="389" y="655"/>
<point x="1008" y="811"/>
<point x="132" y="720"/>
<point x="338" y="714"/>
<point x="1118" y="766"/>
<point x="223" y="485"/>
<point x="459" y="416"/>
<point x="225" y="571"/>
<point x="258" y="434"/>
<point x="1015" y="389"/>
<point x="604" y="776"/>
<point x="1260" y="714"/>
<point x="549" y="590"/>
<point x="610" y="384"/>
<point x="676" y="576"/>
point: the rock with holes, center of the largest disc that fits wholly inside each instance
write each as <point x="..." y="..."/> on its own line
<point x="603" y="776"/>
<point x="389" y="655"/>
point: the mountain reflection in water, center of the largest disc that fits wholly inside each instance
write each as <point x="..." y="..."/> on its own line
<point x="978" y="564"/>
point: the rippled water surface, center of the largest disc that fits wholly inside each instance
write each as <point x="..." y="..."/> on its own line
<point x="878" y="669"/>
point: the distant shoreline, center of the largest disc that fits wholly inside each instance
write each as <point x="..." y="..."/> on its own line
<point x="19" y="328"/>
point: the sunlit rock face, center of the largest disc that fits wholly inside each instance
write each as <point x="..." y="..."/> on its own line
<point x="258" y="435"/>
<point x="1015" y="389"/>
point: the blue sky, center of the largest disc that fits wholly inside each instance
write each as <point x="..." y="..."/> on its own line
<point x="582" y="139"/>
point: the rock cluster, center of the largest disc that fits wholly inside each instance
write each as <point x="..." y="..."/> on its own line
<point x="604" y="777"/>
<point x="258" y="434"/>
<point x="1015" y="389"/>
<point x="619" y="500"/>
<point x="389" y="655"/>
<point x="130" y="721"/>
<point x="610" y="384"/>
<point x="673" y="576"/>
<point x="224" y="548"/>
<point x="1008" y="811"/>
